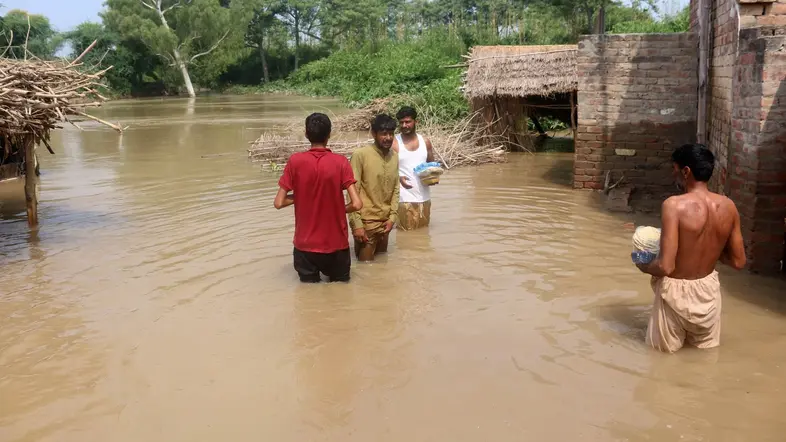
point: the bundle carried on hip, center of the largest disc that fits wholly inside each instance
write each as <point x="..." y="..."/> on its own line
<point x="646" y="244"/>
<point x="429" y="172"/>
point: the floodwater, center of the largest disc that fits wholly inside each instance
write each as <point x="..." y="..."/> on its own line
<point x="157" y="302"/>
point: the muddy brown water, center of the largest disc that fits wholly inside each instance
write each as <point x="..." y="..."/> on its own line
<point x="157" y="302"/>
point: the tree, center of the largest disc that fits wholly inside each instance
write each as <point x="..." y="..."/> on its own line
<point x="261" y="26"/>
<point x="179" y="31"/>
<point x="21" y="30"/>
<point x="300" y="17"/>
<point x="133" y="65"/>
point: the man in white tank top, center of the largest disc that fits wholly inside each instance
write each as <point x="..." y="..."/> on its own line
<point x="414" y="209"/>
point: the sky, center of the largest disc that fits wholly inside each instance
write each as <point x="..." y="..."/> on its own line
<point x="63" y="14"/>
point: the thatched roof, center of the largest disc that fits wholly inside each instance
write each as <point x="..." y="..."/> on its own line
<point x="520" y="71"/>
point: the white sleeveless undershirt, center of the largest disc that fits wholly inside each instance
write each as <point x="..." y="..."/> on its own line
<point x="407" y="161"/>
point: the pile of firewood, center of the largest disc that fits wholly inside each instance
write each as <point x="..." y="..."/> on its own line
<point x="464" y="143"/>
<point x="36" y="96"/>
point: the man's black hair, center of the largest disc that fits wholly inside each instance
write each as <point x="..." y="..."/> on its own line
<point x="383" y="122"/>
<point x="698" y="158"/>
<point x="407" y="111"/>
<point x="318" y="128"/>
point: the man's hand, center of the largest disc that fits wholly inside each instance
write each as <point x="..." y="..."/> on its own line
<point x="404" y="182"/>
<point x="360" y="235"/>
<point x="644" y="267"/>
<point x="388" y="226"/>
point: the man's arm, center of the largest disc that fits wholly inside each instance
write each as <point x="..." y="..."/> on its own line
<point x="355" y="203"/>
<point x="734" y="252"/>
<point x="283" y="199"/>
<point x="665" y="263"/>
<point x="285" y="184"/>
<point x="393" y="217"/>
<point x="430" y="150"/>
<point x="355" y="220"/>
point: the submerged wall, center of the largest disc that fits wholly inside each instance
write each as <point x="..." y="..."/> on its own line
<point x="637" y="103"/>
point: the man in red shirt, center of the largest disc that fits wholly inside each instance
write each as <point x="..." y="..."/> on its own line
<point x="319" y="178"/>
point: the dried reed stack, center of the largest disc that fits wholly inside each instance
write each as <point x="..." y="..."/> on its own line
<point x="464" y="144"/>
<point x="35" y="97"/>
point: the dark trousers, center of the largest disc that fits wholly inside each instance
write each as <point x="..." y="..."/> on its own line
<point x="335" y="266"/>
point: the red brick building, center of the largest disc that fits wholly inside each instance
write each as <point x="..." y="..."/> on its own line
<point x="638" y="100"/>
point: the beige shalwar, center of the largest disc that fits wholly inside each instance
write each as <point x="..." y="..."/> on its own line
<point x="685" y="311"/>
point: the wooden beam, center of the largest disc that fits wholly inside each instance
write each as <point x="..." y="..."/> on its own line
<point x="704" y="67"/>
<point x="31" y="198"/>
<point x="537" y="125"/>
<point x="573" y="119"/>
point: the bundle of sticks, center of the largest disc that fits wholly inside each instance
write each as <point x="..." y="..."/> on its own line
<point x="36" y="96"/>
<point x="465" y="143"/>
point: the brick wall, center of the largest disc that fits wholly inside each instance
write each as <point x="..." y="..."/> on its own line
<point x="758" y="179"/>
<point x="636" y="102"/>
<point x="723" y="38"/>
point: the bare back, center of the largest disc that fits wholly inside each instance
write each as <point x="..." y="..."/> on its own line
<point x="707" y="221"/>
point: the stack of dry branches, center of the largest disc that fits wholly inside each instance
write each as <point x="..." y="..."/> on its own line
<point x="466" y="143"/>
<point x="36" y="95"/>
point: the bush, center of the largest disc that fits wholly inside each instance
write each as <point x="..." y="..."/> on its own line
<point x="669" y="24"/>
<point x="412" y="71"/>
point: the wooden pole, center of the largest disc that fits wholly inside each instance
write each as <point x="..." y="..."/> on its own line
<point x="76" y="60"/>
<point x="536" y="123"/>
<point x="573" y="118"/>
<point x="31" y="198"/>
<point x="704" y="43"/>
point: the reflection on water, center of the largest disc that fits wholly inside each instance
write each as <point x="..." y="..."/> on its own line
<point x="158" y="302"/>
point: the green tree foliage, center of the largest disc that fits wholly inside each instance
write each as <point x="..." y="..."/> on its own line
<point x="135" y="70"/>
<point x="358" y="50"/>
<point x="647" y="25"/>
<point x="184" y="33"/>
<point x="20" y="28"/>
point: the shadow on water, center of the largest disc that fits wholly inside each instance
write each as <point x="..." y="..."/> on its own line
<point x="560" y="172"/>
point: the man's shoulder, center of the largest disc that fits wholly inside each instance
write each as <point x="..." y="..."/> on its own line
<point x="338" y="157"/>
<point x="297" y="156"/>
<point x="362" y="150"/>
<point x="687" y="204"/>
<point x="673" y="202"/>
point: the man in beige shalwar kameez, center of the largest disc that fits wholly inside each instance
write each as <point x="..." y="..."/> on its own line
<point x="699" y="228"/>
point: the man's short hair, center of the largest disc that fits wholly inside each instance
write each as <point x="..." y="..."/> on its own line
<point x="698" y="158"/>
<point x="407" y="111"/>
<point x="318" y="128"/>
<point x="382" y="123"/>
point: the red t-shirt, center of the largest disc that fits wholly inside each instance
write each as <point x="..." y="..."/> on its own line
<point x="318" y="178"/>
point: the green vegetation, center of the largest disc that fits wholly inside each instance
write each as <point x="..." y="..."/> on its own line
<point x="647" y="25"/>
<point x="358" y="50"/>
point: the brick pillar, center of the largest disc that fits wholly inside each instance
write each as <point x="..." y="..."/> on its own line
<point x="758" y="184"/>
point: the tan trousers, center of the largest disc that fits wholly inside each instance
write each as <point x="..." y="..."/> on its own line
<point x="414" y="215"/>
<point x="685" y="311"/>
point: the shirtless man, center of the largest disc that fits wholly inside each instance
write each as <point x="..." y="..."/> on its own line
<point x="414" y="207"/>
<point x="699" y="228"/>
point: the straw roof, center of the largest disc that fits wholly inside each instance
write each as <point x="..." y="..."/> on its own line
<point x="520" y="71"/>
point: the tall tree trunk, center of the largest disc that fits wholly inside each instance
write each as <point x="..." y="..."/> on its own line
<point x="181" y="64"/>
<point x="590" y="14"/>
<point x="184" y="72"/>
<point x="265" y="73"/>
<point x="297" y="42"/>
